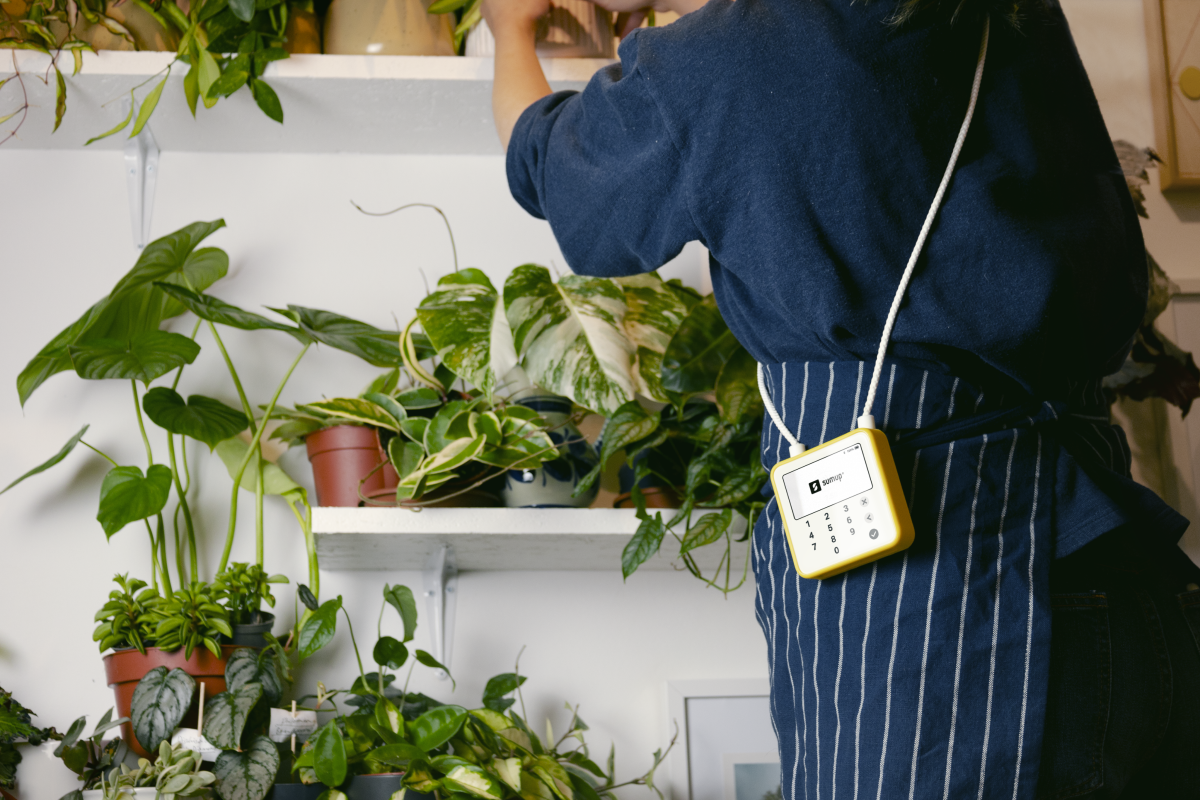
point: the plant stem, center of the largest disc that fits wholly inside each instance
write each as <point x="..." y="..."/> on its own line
<point x="314" y="571"/>
<point x="258" y="505"/>
<point x="137" y="406"/>
<point x="237" y="382"/>
<point x="362" y="673"/>
<point x="183" y="504"/>
<point x="100" y="453"/>
<point x="162" y="547"/>
<point x="449" y="230"/>
<point x="153" y="555"/>
<point x="254" y="444"/>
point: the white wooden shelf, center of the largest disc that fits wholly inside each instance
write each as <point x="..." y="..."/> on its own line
<point x="494" y="539"/>
<point x="351" y="104"/>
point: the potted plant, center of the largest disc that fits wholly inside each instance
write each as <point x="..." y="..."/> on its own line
<point x="17" y="729"/>
<point x="387" y="27"/>
<point x="175" y="773"/>
<point x="92" y="758"/>
<point x="572" y="29"/>
<point x="243" y="588"/>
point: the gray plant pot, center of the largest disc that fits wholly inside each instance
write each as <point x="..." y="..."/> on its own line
<point x="295" y="791"/>
<point x="253" y="634"/>
<point x="379" y="787"/>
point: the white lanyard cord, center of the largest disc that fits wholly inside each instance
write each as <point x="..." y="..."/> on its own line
<point x="867" y="420"/>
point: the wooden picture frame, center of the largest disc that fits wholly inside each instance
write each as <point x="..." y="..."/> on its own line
<point x="1173" y="41"/>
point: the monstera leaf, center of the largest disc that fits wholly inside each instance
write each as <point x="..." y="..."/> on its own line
<point x="159" y="703"/>
<point x="202" y="418"/>
<point x="569" y="336"/>
<point x="465" y="320"/>
<point x="247" y="775"/>
<point x="655" y="312"/>
<point x="135" y="305"/>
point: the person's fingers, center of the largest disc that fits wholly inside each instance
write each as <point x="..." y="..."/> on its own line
<point x="629" y="21"/>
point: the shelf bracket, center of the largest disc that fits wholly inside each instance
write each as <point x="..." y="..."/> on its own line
<point x="441" y="590"/>
<point x="141" y="176"/>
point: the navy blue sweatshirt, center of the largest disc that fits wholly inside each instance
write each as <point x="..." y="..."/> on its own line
<point x="802" y="142"/>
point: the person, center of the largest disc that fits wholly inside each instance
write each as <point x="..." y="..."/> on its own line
<point x="1039" y="638"/>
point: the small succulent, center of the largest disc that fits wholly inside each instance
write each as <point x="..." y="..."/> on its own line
<point x="125" y="620"/>
<point x="190" y="618"/>
<point x="176" y="773"/>
<point x="244" y="588"/>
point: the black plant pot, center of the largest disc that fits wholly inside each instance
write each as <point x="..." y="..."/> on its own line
<point x="253" y="634"/>
<point x="379" y="787"/>
<point x="295" y="791"/>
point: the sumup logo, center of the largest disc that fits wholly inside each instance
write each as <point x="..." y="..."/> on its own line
<point x="814" y="486"/>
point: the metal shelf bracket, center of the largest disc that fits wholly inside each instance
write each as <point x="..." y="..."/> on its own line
<point x="141" y="176"/>
<point x="441" y="591"/>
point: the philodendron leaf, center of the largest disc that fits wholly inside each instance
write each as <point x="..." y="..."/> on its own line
<point x="209" y="308"/>
<point x="737" y="387"/>
<point x="655" y="312"/>
<point x="643" y="545"/>
<point x="275" y="480"/>
<point x="401" y="598"/>
<point x="126" y="495"/>
<point x="159" y="703"/>
<point x="371" y="344"/>
<point x="708" y="529"/>
<point x="698" y="350"/>
<point x="465" y="320"/>
<point x="247" y="665"/>
<point x="202" y="418"/>
<point x="319" y="628"/>
<point x="226" y="714"/>
<point x="358" y="410"/>
<point x="247" y="775"/>
<point x="390" y="652"/>
<point x="143" y="357"/>
<point x="569" y="336"/>
<point x="57" y="457"/>
<point x="166" y="256"/>
<point x="499" y="686"/>
<point x="329" y="751"/>
<point x="437" y="726"/>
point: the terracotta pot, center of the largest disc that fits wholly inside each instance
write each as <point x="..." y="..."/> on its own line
<point x="124" y="668"/>
<point x="656" y="497"/>
<point x="147" y="33"/>
<point x="387" y="27"/>
<point x="341" y="457"/>
<point x="303" y="32"/>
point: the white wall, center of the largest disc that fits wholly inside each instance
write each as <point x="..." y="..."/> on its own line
<point x="293" y="237"/>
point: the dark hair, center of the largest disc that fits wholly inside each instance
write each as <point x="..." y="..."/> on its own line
<point x="1011" y="10"/>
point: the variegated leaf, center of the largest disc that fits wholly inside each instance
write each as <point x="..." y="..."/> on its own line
<point x="569" y="336"/>
<point x="655" y="312"/>
<point x="358" y="410"/>
<point x="465" y="321"/>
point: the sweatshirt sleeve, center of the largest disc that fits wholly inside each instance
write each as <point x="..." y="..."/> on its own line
<point x="602" y="167"/>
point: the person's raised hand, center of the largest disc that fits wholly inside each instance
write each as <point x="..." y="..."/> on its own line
<point x="507" y="16"/>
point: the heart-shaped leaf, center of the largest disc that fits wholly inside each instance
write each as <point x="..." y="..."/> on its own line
<point x="569" y="336"/>
<point x="126" y="495"/>
<point x="329" y="754"/>
<point x="401" y="598"/>
<point x="319" y="628"/>
<point x="202" y="418"/>
<point x="210" y="308"/>
<point x="63" y="452"/>
<point x="248" y="665"/>
<point x="390" y="652"/>
<point x="275" y="480"/>
<point x="159" y="703"/>
<point x="143" y="357"/>
<point x="371" y="344"/>
<point x="437" y="725"/>
<point x="166" y="256"/>
<point x="226" y="714"/>
<point x="250" y="774"/>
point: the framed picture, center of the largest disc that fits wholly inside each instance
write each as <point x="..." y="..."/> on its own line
<point x="726" y="748"/>
<point x="1173" y="41"/>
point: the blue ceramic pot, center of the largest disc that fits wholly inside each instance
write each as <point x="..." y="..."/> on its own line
<point x="552" y="484"/>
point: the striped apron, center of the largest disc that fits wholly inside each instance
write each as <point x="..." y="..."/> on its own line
<point x="923" y="675"/>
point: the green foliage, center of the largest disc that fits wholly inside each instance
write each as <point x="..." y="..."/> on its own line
<point x="249" y="774"/>
<point x="125" y="620"/>
<point x="56" y="458"/>
<point x="199" y="417"/>
<point x="243" y="588"/>
<point x="160" y="700"/>
<point x="126" y="495"/>
<point x="16" y="725"/>
<point x="91" y="758"/>
<point x="191" y="618"/>
<point x="175" y="773"/>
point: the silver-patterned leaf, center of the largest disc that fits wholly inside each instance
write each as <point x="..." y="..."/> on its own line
<point x="569" y="336"/>
<point x="248" y="665"/>
<point x="226" y="714"/>
<point x="159" y="703"/>
<point x="247" y="775"/>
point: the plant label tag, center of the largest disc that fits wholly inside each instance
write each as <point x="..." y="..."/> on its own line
<point x="284" y="726"/>
<point x="191" y="739"/>
<point x="841" y="504"/>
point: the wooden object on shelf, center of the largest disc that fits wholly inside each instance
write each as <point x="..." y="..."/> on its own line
<point x="497" y="539"/>
<point x="1173" y="41"/>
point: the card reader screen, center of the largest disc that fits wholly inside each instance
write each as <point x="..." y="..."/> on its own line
<point x="827" y="481"/>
